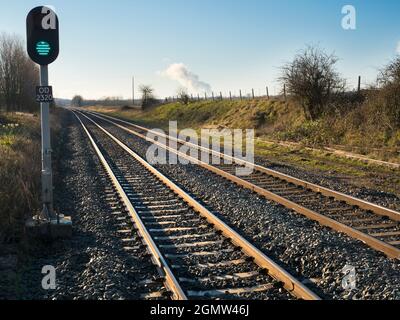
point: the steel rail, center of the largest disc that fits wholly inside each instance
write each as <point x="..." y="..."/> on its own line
<point x="395" y="215"/>
<point x="290" y="283"/>
<point x="374" y="243"/>
<point x="170" y="281"/>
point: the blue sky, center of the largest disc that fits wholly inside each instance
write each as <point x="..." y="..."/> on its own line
<point x="230" y="44"/>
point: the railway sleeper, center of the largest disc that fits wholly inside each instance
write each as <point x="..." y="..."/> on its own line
<point x="187" y="236"/>
<point x="235" y="276"/>
<point x="173" y="256"/>
<point x="213" y="265"/>
<point x="229" y="291"/>
<point x="386" y="234"/>
<point x="190" y="245"/>
<point x="378" y="226"/>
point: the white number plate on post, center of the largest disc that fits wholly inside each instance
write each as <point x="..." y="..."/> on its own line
<point x="44" y="94"/>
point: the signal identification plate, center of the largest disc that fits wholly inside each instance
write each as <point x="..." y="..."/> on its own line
<point x="44" y="94"/>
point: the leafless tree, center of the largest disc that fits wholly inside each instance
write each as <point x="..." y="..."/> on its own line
<point x="390" y="74"/>
<point x="147" y="95"/>
<point x="311" y="78"/>
<point x="18" y="75"/>
<point x="183" y="96"/>
<point x="389" y="95"/>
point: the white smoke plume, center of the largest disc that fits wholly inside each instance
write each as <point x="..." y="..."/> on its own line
<point x="179" y="72"/>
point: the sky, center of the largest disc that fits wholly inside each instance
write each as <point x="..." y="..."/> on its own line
<point x="218" y="45"/>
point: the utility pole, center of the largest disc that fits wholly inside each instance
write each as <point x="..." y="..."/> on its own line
<point x="133" y="90"/>
<point x="359" y="85"/>
<point x="267" y="93"/>
<point x="252" y="90"/>
<point x="240" y="91"/>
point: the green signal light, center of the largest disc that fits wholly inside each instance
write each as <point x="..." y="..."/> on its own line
<point x="43" y="48"/>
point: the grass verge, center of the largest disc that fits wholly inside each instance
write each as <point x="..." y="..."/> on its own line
<point x="19" y="172"/>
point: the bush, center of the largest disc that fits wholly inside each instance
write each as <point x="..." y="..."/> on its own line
<point x="389" y="95"/>
<point x="312" y="79"/>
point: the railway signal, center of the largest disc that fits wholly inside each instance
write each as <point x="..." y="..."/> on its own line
<point x="42" y="33"/>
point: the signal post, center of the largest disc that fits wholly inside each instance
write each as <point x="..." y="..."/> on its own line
<point x="42" y="28"/>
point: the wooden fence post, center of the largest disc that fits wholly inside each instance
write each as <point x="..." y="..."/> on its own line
<point x="284" y="91"/>
<point x="329" y="89"/>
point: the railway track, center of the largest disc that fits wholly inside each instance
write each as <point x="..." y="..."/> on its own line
<point x="199" y="256"/>
<point x="376" y="226"/>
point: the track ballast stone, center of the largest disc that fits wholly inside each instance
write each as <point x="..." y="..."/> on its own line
<point x="382" y="198"/>
<point x="303" y="247"/>
<point x="93" y="264"/>
<point x="191" y="276"/>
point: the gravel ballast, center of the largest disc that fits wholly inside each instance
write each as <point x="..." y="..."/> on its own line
<point x="196" y="277"/>
<point x="309" y="251"/>
<point x="93" y="264"/>
<point x="376" y="196"/>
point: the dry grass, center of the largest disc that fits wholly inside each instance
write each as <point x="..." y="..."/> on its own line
<point x="20" y="164"/>
<point x="359" y="128"/>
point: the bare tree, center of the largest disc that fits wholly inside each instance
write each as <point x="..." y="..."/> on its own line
<point x="147" y="95"/>
<point x="390" y="74"/>
<point x="183" y="96"/>
<point x="389" y="95"/>
<point x="77" y="101"/>
<point x="18" y="75"/>
<point x="311" y="78"/>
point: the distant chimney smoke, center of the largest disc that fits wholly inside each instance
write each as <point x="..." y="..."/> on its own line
<point x="179" y="72"/>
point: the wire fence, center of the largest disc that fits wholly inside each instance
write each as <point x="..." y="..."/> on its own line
<point x="219" y="96"/>
<point x="241" y="95"/>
